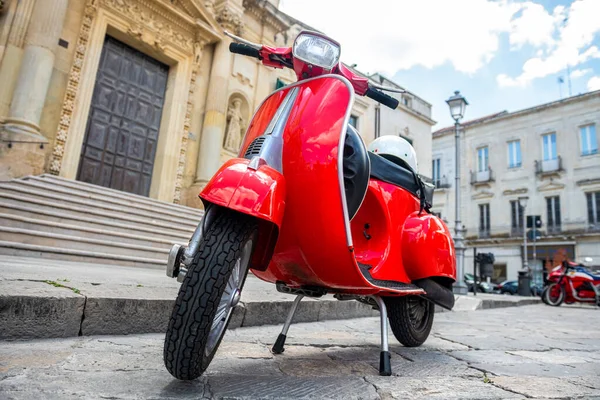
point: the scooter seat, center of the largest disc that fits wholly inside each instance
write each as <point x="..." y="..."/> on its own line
<point x="390" y="172"/>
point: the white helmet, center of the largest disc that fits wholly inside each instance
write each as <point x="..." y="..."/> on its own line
<point x="395" y="149"/>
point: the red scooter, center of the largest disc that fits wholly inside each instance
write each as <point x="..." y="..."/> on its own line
<point x="570" y="283"/>
<point x="305" y="206"/>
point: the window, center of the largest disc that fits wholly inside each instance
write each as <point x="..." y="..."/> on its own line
<point x="514" y="154"/>
<point x="549" y="145"/>
<point x="593" y="206"/>
<point x="589" y="143"/>
<point x="436" y="172"/>
<point x="353" y="121"/>
<point x="482" y="159"/>
<point x="553" y="210"/>
<point x="484" y="220"/>
<point x="516" y="212"/>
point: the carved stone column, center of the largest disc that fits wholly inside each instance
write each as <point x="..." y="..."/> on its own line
<point x="214" y="117"/>
<point x="13" y="54"/>
<point x="32" y="84"/>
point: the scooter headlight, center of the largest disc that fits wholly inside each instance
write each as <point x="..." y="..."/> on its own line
<point x="317" y="50"/>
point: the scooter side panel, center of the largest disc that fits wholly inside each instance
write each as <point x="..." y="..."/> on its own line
<point x="377" y="230"/>
<point x="427" y="248"/>
<point x="312" y="247"/>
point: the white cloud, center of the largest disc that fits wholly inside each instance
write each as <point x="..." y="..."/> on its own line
<point x="573" y="45"/>
<point x="388" y="36"/>
<point x="578" y="73"/>
<point x="594" y="83"/>
<point x="534" y="26"/>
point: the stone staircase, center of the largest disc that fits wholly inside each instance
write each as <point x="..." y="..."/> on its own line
<point x="50" y="217"/>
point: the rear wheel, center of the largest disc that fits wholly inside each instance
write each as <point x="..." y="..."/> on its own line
<point x="555" y="294"/>
<point x="411" y="318"/>
<point x="210" y="291"/>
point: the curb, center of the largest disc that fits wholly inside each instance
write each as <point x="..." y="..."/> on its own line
<point x="30" y="309"/>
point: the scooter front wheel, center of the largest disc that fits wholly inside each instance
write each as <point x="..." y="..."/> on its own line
<point x="411" y="318"/>
<point x="208" y="294"/>
<point x="555" y="294"/>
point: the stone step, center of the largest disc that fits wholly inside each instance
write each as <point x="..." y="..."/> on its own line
<point x="113" y="193"/>
<point x="20" y="189"/>
<point x="74" y="188"/>
<point x="60" y="215"/>
<point x="12" y="248"/>
<point x="67" y="242"/>
<point x="33" y="224"/>
<point x="83" y="211"/>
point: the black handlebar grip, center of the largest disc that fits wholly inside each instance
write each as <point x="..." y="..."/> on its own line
<point x="382" y="98"/>
<point x="244" y="50"/>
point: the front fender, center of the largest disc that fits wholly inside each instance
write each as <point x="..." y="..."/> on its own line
<point x="260" y="193"/>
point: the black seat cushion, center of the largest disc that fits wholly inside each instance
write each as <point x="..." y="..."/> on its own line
<point x="355" y="170"/>
<point x="387" y="171"/>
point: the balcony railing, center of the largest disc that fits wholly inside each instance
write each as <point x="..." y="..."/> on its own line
<point x="442" y="183"/>
<point x="482" y="176"/>
<point x="553" y="229"/>
<point x="548" y="166"/>
<point x="484" y="233"/>
<point x="516" y="231"/>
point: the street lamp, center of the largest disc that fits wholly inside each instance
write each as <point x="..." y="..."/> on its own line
<point x="458" y="105"/>
<point x="523" y="204"/>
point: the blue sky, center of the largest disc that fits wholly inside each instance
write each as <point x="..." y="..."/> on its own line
<point x="501" y="54"/>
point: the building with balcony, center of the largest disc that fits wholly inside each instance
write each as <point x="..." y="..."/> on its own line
<point x="548" y="153"/>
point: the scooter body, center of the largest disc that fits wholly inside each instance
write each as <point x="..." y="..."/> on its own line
<point x="290" y="174"/>
<point x="307" y="207"/>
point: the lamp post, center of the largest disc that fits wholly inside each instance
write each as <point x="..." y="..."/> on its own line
<point x="523" y="205"/>
<point x="458" y="105"/>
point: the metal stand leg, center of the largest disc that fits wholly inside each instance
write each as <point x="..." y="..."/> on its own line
<point x="385" y="366"/>
<point x="278" y="346"/>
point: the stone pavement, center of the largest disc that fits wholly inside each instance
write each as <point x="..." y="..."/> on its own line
<point x="510" y="353"/>
<point x="51" y="298"/>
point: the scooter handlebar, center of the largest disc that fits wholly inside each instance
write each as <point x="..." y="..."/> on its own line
<point x="383" y="98"/>
<point x="244" y="49"/>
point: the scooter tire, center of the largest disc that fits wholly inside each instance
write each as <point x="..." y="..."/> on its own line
<point x="411" y="318"/>
<point x="200" y="294"/>
<point x="561" y="297"/>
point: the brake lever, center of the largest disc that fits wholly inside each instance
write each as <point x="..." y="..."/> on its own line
<point x="238" y="39"/>
<point x="386" y="88"/>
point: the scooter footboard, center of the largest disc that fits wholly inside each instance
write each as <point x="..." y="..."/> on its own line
<point x="427" y="248"/>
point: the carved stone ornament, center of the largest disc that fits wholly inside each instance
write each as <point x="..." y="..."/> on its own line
<point x="230" y="21"/>
<point x="234" y="131"/>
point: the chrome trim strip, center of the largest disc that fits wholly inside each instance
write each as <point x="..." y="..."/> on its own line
<point x="272" y="149"/>
<point x="341" y="160"/>
<point x="254" y="163"/>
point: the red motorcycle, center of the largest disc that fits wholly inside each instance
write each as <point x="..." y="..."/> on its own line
<point x="571" y="282"/>
<point x="307" y="207"/>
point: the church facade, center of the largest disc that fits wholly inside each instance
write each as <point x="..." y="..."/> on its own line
<point x="143" y="95"/>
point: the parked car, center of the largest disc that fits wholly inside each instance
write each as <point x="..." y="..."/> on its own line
<point x="509" y="287"/>
<point x="482" y="287"/>
<point x="512" y="287"/>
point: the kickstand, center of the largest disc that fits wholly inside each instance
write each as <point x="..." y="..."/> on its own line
<point x="385" y="366"/>
<point x="278" y="346"/>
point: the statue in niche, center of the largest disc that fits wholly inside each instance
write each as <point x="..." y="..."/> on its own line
<point x="233" y="137"/>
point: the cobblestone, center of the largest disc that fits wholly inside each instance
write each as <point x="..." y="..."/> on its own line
<point x="509" y="353"/>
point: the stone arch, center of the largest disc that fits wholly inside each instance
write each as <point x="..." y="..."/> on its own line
<point x="237" y="120"/>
